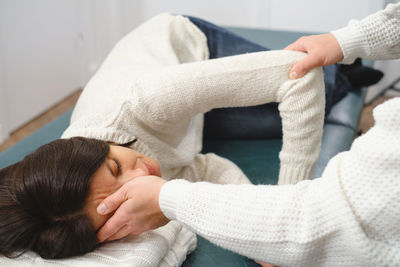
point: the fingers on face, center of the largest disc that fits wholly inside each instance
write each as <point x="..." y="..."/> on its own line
<point x="106" y="231"/>
<point x="112" y="226"/>
<point x="122" y="232"/>
<point x="112" y="202"/>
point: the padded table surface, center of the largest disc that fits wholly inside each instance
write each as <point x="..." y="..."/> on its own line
<point x="257" y="158"/>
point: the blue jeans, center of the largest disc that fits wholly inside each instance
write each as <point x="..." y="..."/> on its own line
<point x="261" y="121"/>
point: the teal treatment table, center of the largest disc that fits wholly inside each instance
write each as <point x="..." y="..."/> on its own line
<point x="258" y="158"/>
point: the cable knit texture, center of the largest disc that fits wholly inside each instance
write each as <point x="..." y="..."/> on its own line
<point x="375" y="37"/>
<point x="155" y="86"/>
<point x="349" y="217"/>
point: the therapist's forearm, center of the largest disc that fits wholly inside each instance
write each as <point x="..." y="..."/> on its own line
<point x="375" y="37"/>
<point x="276" y="224"/>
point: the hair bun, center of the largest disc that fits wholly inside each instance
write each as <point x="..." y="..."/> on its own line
<point x="59" y="238"/>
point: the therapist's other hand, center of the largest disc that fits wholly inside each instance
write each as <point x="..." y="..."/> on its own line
<point x="137" y="209"/>
<point x="322" y="50"/>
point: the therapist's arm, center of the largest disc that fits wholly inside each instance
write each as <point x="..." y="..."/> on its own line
<point x="374" y="37"/>
<point x="289" y="225"/>
<point x="282" y="225"/>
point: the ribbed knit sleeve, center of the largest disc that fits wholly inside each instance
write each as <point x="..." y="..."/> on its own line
<point x="375" y="37"/>
<point x="348" y="217"/>
<point x="180" y="92"/>
<point x="307" y="224"/>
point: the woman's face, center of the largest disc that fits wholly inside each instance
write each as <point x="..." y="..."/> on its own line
<point x="121" y="165"/>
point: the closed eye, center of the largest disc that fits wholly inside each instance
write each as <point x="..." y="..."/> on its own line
<point x="118" y="164"/>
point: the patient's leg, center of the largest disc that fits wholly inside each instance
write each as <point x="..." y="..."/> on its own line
<point x="222" y="42"/>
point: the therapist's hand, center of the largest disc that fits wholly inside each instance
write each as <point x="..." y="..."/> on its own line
<point x="137" y="209"/>
<point x="322" y="50"/>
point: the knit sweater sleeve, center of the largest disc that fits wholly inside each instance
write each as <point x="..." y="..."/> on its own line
<point x="182" y="91"/>
<point x="349" y="217"/>
<point x="307" y="224"/>
<point x="375" y="37"/>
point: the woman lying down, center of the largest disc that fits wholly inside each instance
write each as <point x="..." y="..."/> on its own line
<point x="142" y="114"/>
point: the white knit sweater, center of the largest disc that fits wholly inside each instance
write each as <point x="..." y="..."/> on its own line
<point x="155" y="86"/>
<point x="375" y="37"/>
<point x="349" y="217"/>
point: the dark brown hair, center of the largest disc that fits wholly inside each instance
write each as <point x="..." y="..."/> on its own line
<point x="42" y="199"/>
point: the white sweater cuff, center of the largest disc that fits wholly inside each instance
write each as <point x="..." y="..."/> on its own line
<point x="171" y="195"/>
<point x="291" y="174"/>
<point x="352" y="41"/>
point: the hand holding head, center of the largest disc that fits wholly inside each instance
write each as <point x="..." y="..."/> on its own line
<point x="322" y="50"/>
<point x="137" y="209"/>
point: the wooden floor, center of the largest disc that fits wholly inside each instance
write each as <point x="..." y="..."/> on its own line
<point x="366" y="121"/>
<point x="48" y="116"/>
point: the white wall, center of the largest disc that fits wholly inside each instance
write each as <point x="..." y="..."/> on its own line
<point x="249" y="13"/>
<point x="42" y="56"/>
<point x="4" y="129"/>
<point x="109" y="21"/>
<point x="3" y="95"/>
<point x="319" y="16"/>
<point x="304" y="15"/>
<point x="113" y="19"/>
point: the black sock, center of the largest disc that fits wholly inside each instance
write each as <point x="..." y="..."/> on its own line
<point x="359" y="75"/>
